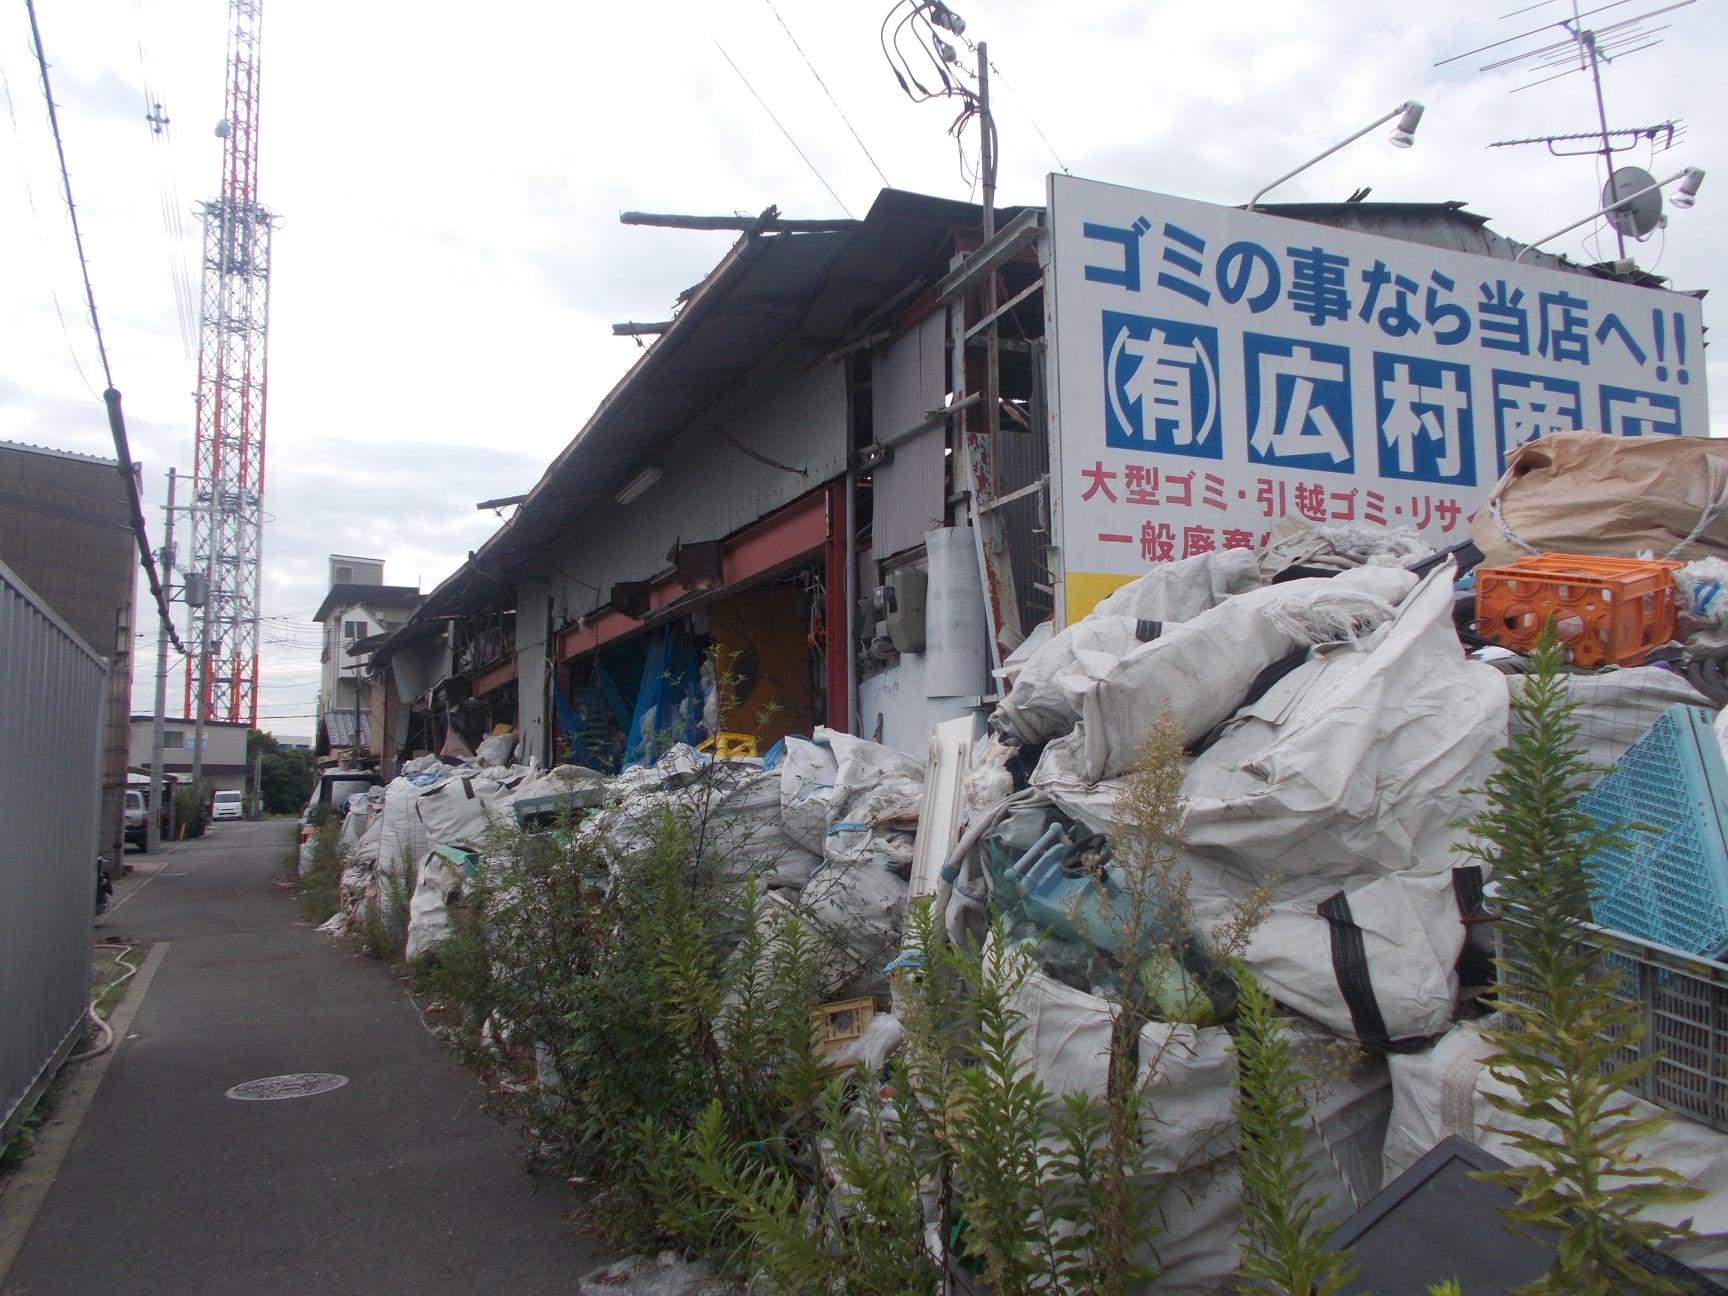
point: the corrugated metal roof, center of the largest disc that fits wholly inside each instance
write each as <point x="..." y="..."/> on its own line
<point x="789" y="297"/>
<point x="59" y="454"/>
<point x="339" y="728"/>
<point x="796" y="297"/>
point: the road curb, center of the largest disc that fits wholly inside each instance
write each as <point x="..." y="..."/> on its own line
<point x="24" y="1195"/>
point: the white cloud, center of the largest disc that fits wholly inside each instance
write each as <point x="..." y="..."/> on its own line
<point x="449" y="181"/>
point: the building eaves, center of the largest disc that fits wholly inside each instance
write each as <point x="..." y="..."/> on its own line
<point x="790" y="297"/>
<point x="50" y="453"/>
<point x="378" y="596"/>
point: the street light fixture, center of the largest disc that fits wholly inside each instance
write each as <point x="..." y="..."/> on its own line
<point x="1404" y="133"/>
<point x="1684" y="197"/>
<point x="1409" y="115"/>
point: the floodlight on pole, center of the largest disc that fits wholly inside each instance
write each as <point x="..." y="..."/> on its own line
<point x="1687" y="193"/>
<point x="1404" y="133"/>
<point x="1409" y="115"/>
<point x="1684" y="197"/>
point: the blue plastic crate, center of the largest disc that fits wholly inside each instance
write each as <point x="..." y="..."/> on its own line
<point x="1669" y="885"/>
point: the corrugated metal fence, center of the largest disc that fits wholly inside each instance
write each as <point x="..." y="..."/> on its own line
<point x="52" y="690"/>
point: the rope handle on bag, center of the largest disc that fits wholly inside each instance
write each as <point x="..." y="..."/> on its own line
<point x="1718" y="487"/>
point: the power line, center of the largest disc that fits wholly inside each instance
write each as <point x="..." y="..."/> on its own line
<point x="776" y="121"/>
<point x="825" y="89"/>
<point x="111" y="396"/>
<point x="1033" y="121"/>
<point x="66" y="182"/>
<point x="36" y="223"/>
<point x="168" y="195"/>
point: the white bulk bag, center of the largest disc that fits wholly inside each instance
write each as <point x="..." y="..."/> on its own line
<point x="1378" y="961"/>
<point x="1201" y="670"/>
<point x="1443" y="1091"/>
<point x="1045" y="700"/>
<point x="428" y="911"/>
<point x="1355" y="764"/>
<point x="1191" y="1126"/>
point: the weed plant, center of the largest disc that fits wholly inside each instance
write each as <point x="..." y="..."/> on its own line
<point x="1282" y="1249"/>
<point x="321" y="889"/>
<point x="1586" y="1188"/>
<point x="627" y="972"/>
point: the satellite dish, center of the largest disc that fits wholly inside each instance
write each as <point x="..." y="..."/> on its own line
<point x="1640" y="216"/>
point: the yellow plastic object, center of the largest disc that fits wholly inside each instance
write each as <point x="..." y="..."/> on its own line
<point x="838" y="1024"/>
<point x="727" y="746"/>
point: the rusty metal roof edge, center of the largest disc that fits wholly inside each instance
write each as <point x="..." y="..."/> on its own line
<point x="741" y="253"/>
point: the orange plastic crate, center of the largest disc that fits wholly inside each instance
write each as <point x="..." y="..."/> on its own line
<point x="1606" y="611"/>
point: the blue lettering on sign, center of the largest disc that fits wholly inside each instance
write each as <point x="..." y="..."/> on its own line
<point x="1565" y="328"/>
<point x="1127" y="275"/>
<point x="1527" y="406"/>
<point x="1247" y="270"/>
<point x="1161" y="386"/>
<point x="1298" y="403"/>
<point x="1427" y="431"/>
<point x="1317" y="284"/>
<point x="1502" y="319"/>
<point x="1182" y="252"/>
<point x="1634" y="413"/>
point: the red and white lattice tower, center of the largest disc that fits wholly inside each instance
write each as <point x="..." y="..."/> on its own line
<point x="228" y="474"/>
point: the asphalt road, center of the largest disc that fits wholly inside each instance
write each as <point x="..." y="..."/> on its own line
<point x="396" y="1182"/>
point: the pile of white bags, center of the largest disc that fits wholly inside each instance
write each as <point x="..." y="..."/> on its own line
<point x="1191" y="1129"/>
<point x="1443" y="1092"/>
<point x="833" y="826"/>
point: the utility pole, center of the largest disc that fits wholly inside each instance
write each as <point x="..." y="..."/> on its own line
<point x="153" y="811"/>
<point x="258" y="784"/>
<point x="202" y="702"/>
<point x="992" y="355"/>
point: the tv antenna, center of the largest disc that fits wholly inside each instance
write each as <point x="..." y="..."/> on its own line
<point x="1568" y="45"/>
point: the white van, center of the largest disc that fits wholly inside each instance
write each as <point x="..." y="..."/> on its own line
<point x="228" y="805"/>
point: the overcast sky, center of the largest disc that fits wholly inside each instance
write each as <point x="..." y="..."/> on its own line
<point x="449" y="180"/>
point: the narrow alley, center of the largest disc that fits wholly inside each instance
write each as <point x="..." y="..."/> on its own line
<point x="396" y="1181"/>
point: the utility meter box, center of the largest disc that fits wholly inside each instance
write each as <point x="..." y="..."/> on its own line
<point x="906" y="589"/>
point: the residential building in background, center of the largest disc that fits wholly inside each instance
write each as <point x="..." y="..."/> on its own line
<point x="356" y="614"/>
<point x="224" y="751"/>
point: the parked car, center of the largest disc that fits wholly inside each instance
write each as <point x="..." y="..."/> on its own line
<point x="137" y="821"/>
<point x="228" y="804"/>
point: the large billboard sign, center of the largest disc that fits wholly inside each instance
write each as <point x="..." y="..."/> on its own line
<point x="1216" y="369"/>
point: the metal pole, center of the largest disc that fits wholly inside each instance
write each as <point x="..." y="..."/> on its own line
<point x="1399" y="111"/>
<point x="201" y="702"/>
<point x="1623" y="202"/>
<point x="1589" y="40"/>
<point x="992" y="371"/>
<point x="153" y="810"/>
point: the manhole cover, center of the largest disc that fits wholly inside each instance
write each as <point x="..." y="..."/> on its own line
<point x="276" y="1088"/>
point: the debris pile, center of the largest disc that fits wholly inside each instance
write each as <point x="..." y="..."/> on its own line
<point x="1338" y="697"/>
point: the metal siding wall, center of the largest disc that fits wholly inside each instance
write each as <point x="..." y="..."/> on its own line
<point x="52" y="695"/>
<point x="711" y="489"/>
<point x="908" y="379"/>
